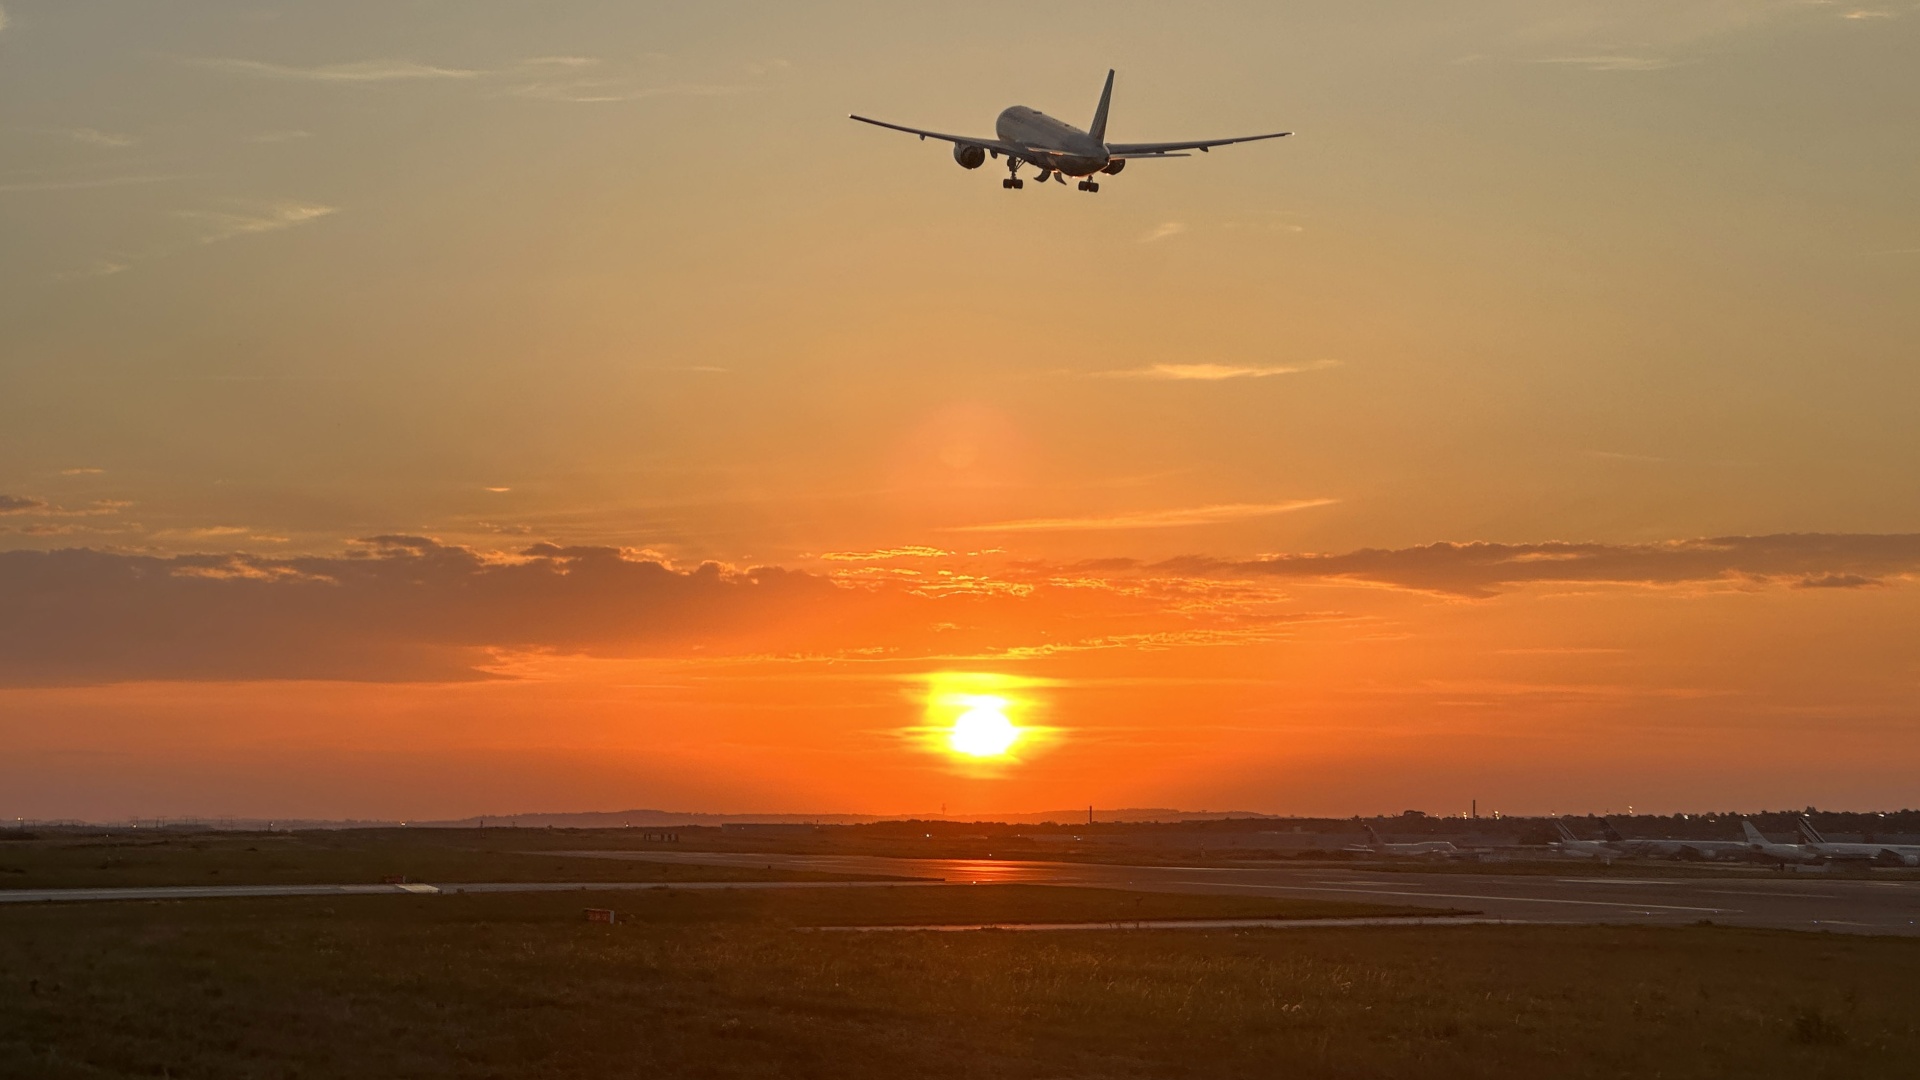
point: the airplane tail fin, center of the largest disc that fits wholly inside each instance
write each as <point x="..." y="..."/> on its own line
<point x="1373" y="837"/>
<point x="1099" y="127"/>
<point x="1566" y="834"/>
<point x="1754" y="836"/>
<point x="1809" y="833"/>
<point x="1606" y="829"/>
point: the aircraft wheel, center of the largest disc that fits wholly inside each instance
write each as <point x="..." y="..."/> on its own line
<point x="1091" y="186"/>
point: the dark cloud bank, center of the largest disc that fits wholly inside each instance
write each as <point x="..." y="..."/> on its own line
<point x="402" y="608"/>
<point x="399" y="608"/>
<point x="1805" y="560"/>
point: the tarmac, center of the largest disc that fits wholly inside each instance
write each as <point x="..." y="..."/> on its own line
<point x="1733" y="898"/>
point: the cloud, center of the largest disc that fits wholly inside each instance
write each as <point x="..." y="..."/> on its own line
<point x="226" y="226"/>
<point x="1478" y="570"/>
<point x="86" y="184"/>
<point x="359" y="71"/>
<point x="83" y="470"/>
<point x="397" y="607"/>
<point x="1163" y="230"/>
<point x="1151" y="519"/>
<point x="590" y="91"/>
<point x="1611" y="63"/>
<point x="108" y="139"/>
<point x="908" y="552"/>
<point x="1214" y="372"/>
<point x="20" y="504"/>
<point x="409" y="608"/>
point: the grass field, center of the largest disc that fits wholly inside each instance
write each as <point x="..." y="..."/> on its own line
<point x="720" y="985"/>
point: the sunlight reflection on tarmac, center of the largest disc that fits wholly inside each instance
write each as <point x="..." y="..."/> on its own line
<point x="1734" y="899"/>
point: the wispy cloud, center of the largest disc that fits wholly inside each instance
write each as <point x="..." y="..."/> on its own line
<point x="1163" y="230"/>
<point x="99" y="268"/>
<point x="358" y="71"/>
<point x="589" y="91"/>
<point x="20" y="504"/>
<point x="1214" y="372"/>
<point x="1479" y="570"/>
<point x="112" y="140"/>
<point x="226" y="226"/>
<point x="563" y="78"/>
<point x="1150" y="519"/>
<point x="911" y="551"/>
<point x="1611" y="63"/>
<point x="79" y="184"/>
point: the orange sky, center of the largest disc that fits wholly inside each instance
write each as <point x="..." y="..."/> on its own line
<point x="437" y="410"/>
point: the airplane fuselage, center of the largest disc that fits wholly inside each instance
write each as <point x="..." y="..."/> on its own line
<point x="1055" y="144"/>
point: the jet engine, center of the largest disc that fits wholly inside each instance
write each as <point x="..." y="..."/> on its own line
<point x="969" y="156"/>
<point x="1115" y="165"/>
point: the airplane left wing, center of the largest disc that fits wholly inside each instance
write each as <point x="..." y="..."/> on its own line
<point x="1166" y="149"/>
<point x="965" y="140"/>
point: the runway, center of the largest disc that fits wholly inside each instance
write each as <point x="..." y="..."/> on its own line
<point x="241" y="892"/>
<point x="1813" y="903"/>
<point x="1843" y="905"/>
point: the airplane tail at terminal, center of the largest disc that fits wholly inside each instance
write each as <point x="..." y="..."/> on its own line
<point x="1373" y="837"/>
<point x="1809" y="833"/>
<point x="1612" y="834"/>
<point x="1753" y="835"/>
<point x="1566" y="834"/>
<point x="1098" y="129"/>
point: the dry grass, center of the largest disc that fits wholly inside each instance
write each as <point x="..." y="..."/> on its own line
<point x="716" y="985"/>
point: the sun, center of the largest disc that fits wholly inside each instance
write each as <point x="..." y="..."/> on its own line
<point x="983" y="730"/>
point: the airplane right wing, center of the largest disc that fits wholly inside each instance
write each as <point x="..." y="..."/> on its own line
<point x="1167" y="149"/>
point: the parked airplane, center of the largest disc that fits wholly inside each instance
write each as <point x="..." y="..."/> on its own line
<point x="1570" y="844"/>
<point x="1056" y="148"/>
<point x="1889" y="854"/>
<point x="1673" y="849"/>
<point x="1765" y="850"/>
<point x="1377" y="846"/>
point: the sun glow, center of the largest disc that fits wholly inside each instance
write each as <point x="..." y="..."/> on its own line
<point x="983" y="731"/>
<point x="981" y="721"/>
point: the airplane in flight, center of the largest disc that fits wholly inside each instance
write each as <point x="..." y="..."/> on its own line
<point x="1057" y="148"/>
<point x="1885" y="854"/>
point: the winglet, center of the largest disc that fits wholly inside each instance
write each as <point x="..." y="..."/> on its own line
<point x="1098" y="129"/>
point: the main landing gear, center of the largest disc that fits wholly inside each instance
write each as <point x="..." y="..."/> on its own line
<point x="1089" y="185"/>
<point x="1012" y="183"/>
